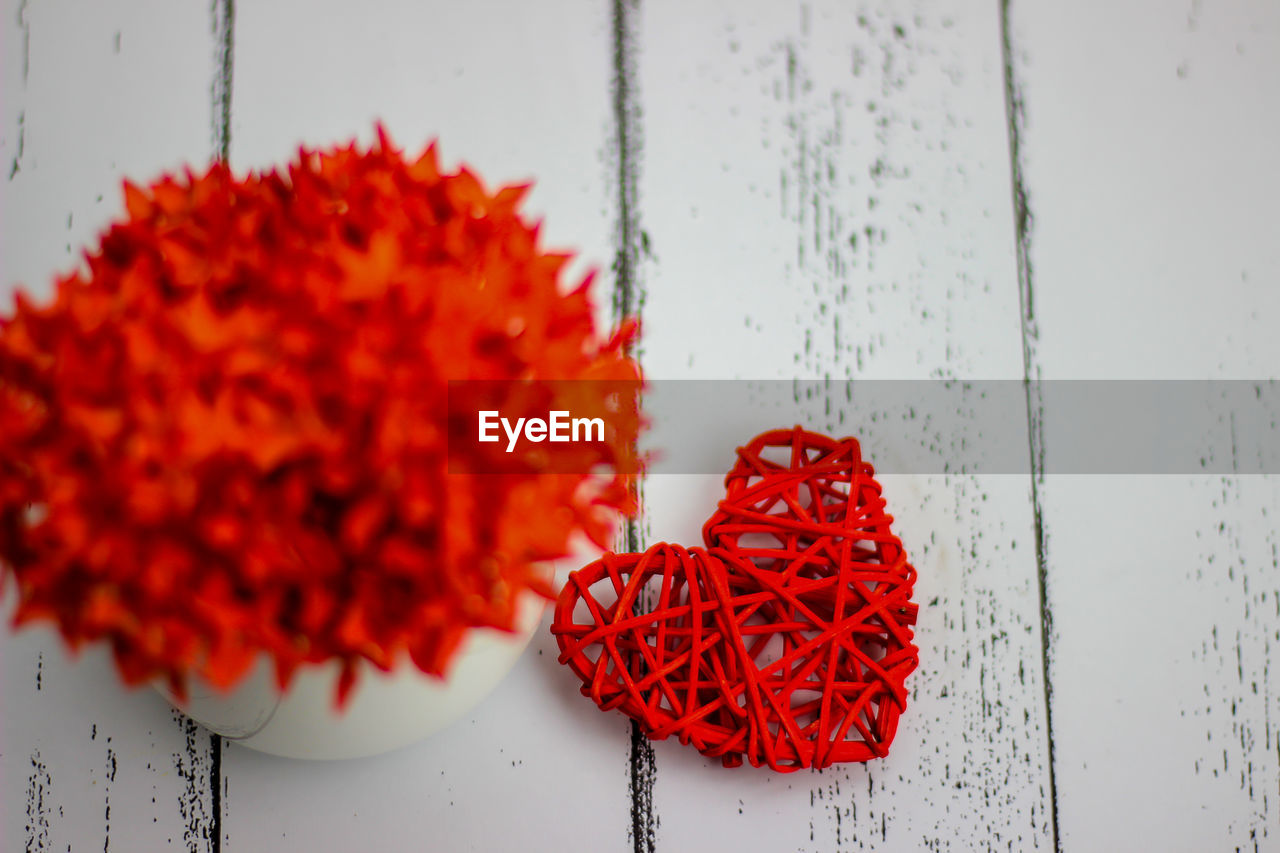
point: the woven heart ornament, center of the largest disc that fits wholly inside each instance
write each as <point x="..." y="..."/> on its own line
<point x="785" y="641"/>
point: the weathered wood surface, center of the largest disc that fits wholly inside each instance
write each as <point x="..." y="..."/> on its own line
<point x="92" y="93"/>
<point x="781" y="191"/>
<point x="1146" y="143"/>
<point x="825" y="191"/>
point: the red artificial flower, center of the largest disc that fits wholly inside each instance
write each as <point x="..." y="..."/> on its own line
<point x="230" y="435"/>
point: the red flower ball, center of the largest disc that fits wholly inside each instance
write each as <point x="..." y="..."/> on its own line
<point x="230" y="435"/>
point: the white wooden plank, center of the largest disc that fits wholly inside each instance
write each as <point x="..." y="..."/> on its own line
<point x="518" y="92"/>
<point x="825" y="193"/>
<point x="92" y="93"/>
<point x="1146" y="152"/>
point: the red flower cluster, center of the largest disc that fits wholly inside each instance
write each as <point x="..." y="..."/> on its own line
<point x="230" y="436"/>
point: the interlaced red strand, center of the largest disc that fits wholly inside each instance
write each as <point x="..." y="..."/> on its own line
<point x="786" y="641"/>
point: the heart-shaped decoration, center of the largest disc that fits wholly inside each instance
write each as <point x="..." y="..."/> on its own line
<point x="786" y="641"/>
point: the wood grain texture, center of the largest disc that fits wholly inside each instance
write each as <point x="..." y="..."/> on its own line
<point x="93" y="93"/>
<point x="629" y="296"/>
<point x="516" y="91"/>
<point x="826" y="195"/>
<point x="1152" y="253"/>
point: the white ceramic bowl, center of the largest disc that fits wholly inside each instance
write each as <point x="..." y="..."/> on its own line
<point x="386" y="710"/>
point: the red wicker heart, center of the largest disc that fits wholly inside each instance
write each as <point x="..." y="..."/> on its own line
<point x="785" y="642"/>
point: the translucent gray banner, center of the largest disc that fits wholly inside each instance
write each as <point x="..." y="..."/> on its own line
<point x="979" y="427"/>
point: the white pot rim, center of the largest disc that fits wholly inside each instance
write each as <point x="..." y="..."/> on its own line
<point x="385" y="711"/>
